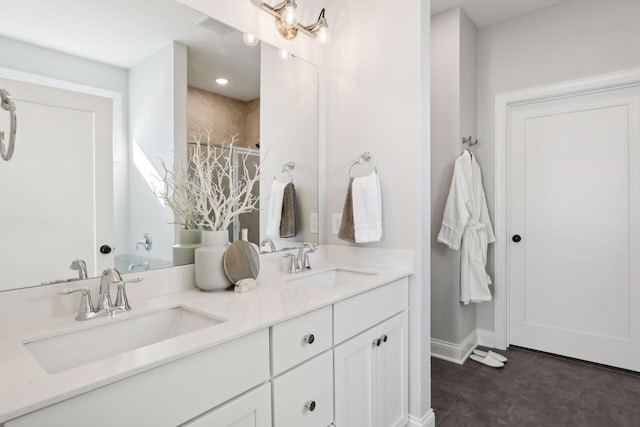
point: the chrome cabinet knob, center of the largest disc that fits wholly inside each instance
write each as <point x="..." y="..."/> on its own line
<point x="383" y="338"/>
<point x="310" y="405"/>
<point x="309" y="338"/>
<point x="377" y="342"/>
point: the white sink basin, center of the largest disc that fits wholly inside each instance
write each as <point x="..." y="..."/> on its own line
<point x="66" y="351"/>
<point x="331" y="278"/>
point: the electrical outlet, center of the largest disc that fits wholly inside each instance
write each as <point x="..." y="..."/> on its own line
<point x="335" y="222"/>
<point x="314" y="222"/>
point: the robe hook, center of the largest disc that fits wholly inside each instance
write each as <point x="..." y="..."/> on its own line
<point x="469" y="140"/>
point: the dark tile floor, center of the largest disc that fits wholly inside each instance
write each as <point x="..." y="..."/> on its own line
<point x="534" y="389"/>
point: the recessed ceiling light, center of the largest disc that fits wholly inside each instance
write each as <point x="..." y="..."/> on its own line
<point x="222" y="81"/>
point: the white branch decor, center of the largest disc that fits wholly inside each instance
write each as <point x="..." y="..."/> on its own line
<point x="212" y="171"/>
<point x="176" y="193"/>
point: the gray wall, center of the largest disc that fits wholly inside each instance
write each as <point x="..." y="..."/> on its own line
<point x="453" y="106"/>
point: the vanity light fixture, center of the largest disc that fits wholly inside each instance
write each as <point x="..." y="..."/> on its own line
<point x="222" y="81"/>
<point x="288" y="25"/>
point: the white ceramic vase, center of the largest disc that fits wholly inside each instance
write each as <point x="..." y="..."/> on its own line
<point x="188" y="242"/>
<point x="209" y="267"/>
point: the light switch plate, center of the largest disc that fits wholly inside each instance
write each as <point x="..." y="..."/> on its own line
<point x="336" y="218"/>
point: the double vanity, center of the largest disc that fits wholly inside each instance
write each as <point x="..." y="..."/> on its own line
<point x="319" y="348"/>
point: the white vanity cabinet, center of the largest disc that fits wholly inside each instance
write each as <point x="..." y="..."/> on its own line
<point x="343" y="365"/>
<point x="168" y="395"/>
<point x="371" y="368"/>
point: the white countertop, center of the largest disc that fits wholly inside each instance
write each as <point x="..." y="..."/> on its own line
<point x="25" y="386"/>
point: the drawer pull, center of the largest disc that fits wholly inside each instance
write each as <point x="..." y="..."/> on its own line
<point x="377" y="342"/>
<point x="383" y="338"/>
<point x="311" y="405"/>
<point x="309" y="338"/>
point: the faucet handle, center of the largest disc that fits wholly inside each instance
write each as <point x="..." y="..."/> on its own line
<point x="122" y="302"/>
<point x="86" y="310"/>
<point x="293" y="263"/>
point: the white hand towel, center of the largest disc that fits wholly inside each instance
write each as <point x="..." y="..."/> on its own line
<point x="275" y="208"/>
<point x="367" y="209"/>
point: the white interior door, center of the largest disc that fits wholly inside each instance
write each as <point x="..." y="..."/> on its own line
<point x="574" y="200"/>
<point x="58" y="187"/>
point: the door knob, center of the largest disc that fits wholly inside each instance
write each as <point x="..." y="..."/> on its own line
<point x="105" y="249"/>
<point x="516" y="238"/>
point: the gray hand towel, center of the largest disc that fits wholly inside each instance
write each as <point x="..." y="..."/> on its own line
<point x="347" y="230"/>
<point x="289" y="219"/>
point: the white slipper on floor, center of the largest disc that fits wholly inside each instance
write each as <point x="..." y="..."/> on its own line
<point x="498" y="357"/>
<point x="487" y="360"/>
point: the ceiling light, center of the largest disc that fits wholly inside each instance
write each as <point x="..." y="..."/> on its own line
<point x="222" y="81"/>
<point x="287" y="25"/>
<point x="249" y="39"/>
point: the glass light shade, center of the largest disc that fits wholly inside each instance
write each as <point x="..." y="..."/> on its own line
<point x="289" y="16"/>
<point x="323" y="35"/>
<point x="249" y="39"/>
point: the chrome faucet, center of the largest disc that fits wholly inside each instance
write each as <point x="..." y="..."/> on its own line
<point x="300" y="262"/>
<point x="81" y="266"/>
<point x="268" y="241"/>
<point x="109" y="276"/>
<point x="105" y="306"/>
<point x="146" y="242"/>
<point x="144" y="265"/>
<point x="303" y="255"/>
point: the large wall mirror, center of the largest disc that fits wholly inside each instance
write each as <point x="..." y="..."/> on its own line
<point x="108" y="94"/>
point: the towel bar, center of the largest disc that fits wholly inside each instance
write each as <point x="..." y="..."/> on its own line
<point x="10" y="106"/>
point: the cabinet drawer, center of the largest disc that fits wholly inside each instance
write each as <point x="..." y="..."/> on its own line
<point x="356" y="314"/>
<point x="299" y="339"/>
<point x="252" y="409"/>
<point x="303" y="388"/>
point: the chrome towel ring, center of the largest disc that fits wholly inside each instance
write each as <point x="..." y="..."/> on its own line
<point x="366" y="157"/>
<point x="10" y="106"/>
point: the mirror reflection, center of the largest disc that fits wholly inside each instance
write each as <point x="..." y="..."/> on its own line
<point x="109" y="93"/>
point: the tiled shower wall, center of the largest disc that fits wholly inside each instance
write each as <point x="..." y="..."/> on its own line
<point x="224" y="117"/>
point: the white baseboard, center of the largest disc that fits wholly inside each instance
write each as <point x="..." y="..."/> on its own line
<point x="456" y="353"/>
<point x="486" y="338"/>
<point x="429" y="420"/>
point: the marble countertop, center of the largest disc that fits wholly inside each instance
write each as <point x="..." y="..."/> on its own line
<point x="25" y="386"/>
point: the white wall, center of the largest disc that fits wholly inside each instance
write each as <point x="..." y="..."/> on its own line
<point x="158" y="90"/>
<point x="453" y="105"/>
<point x="574" y="40"/>
<point x="374" y="80"/>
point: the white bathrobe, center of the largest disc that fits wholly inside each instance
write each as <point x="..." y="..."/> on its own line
<point x="466" y="227"/>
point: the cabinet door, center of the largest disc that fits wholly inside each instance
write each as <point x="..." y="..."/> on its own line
<point x="250" y="410"/>
<point x="392" y="372"/>
<point x="355" y="388"/>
